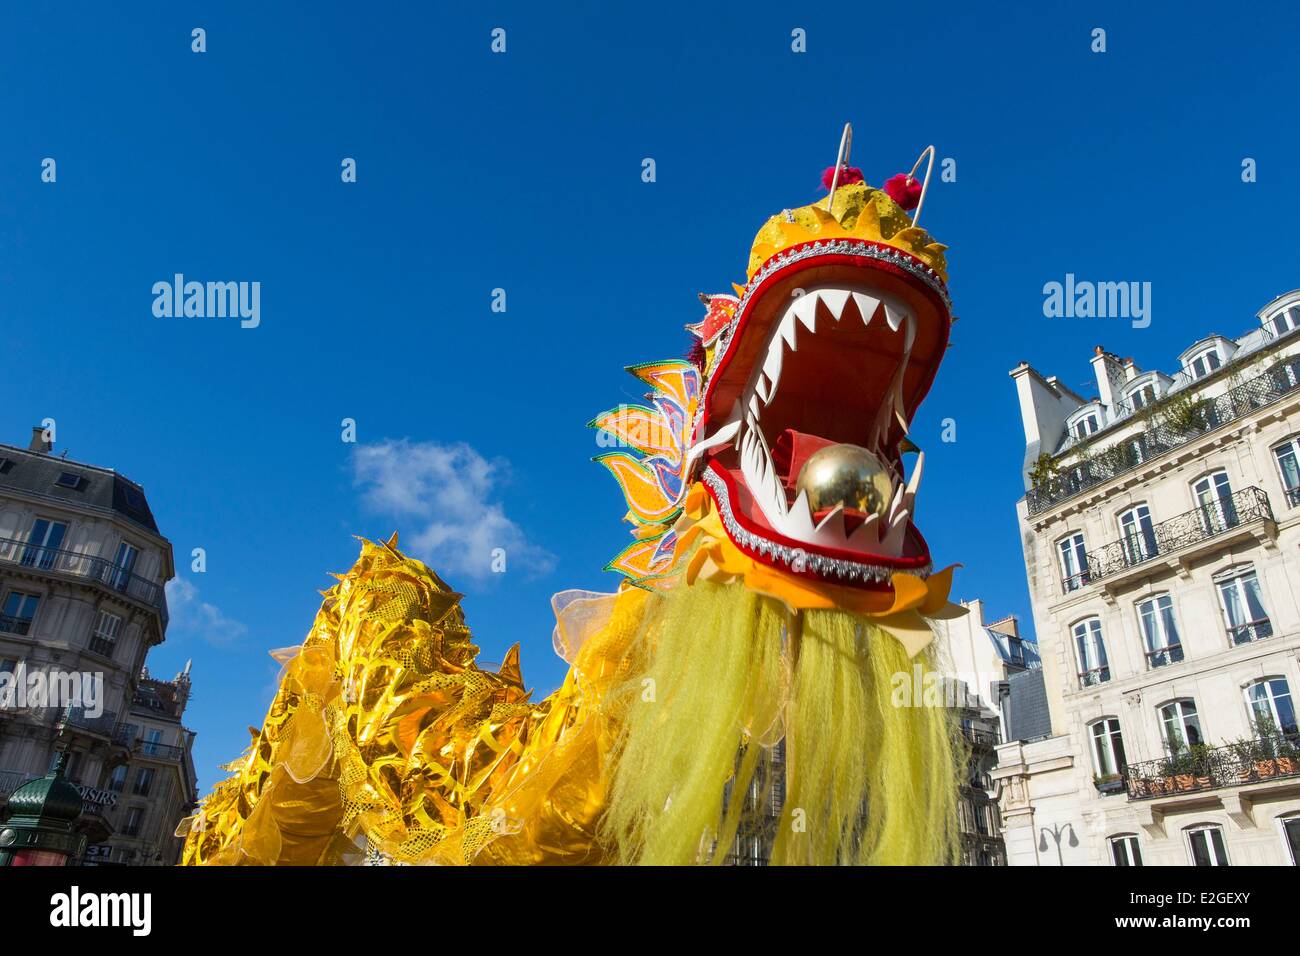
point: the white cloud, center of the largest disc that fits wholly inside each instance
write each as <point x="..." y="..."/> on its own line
<point x="443" y="496"/>
<point x="192" y="616"/>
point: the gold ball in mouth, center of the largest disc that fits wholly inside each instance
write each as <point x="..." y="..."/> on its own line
<point x="847" y="475"/>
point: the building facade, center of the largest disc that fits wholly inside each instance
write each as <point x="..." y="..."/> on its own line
<point x="83" y="569"/>
<point x="1160" y="529"/>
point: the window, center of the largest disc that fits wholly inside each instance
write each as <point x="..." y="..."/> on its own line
<point x="124" y="565"/>
<point x="19" y="609"/>
<point x="1087" y="425"/>
<point x="1288" y="464"/>
<point x="1181" y="725"/>
<point x="150" y="745"/>
<point x="117" y="779"/>
<point x="134" y="820"/>
<point x="1206" y="842"/>
<point x="1138" y="534"/>
<point x="1142" y="397"/>
<point x="1091" y="649"/>
<point x="103" y="640"/>
<point x="1124" y="850"/>
<point x="1285" y="320"/>
<point x="1291" y="833"/>
<point x="143" y="781"/>
<point x="8" y="665"/>
<point x="43" y="543"/>
<point x="1107" y="747"/>
<point x="1074" y="562"/>
<point x="68" y="479"/>
<point x="1159" y="631"/>
<point x="1271" y="708"/>
<point x="1214" y="498"/>
<point x="1203" y="363"/>
<point x="1243" y="607"/>
<point x="1137" y="450"/>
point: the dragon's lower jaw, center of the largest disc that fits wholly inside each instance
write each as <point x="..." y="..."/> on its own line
<point x="829" y="372"/>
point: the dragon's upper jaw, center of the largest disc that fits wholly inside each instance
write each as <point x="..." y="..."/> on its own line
<point x="838" y="354"/>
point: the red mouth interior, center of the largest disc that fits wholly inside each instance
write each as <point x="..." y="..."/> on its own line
<point x="833" y="386"/>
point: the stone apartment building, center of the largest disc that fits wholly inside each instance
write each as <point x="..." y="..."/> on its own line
<point x="83" y="569"/>
<point x="1160" y="529"/>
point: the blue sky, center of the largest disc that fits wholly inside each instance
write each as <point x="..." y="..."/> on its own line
<point x="522" y="171"/>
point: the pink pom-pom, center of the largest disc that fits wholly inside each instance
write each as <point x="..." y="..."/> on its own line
<point x="904" y="190"/>
<point x="848" y="176"/>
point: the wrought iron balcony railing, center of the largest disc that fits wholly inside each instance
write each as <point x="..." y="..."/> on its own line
<point x="1154" y="540"/>
<point x="1094" y="676"/>
<point x="1163" y="656"/>
<point x="1210" y="768"/>
<point x="1159" y="437"/>
<point x="75" y="564"/>
<point x="1292" y="497"/>
<point x="145" y="748"/>
<point x="15" y="625"/>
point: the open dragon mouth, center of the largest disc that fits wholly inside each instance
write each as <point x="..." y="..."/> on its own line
<point x="806" y="415"/>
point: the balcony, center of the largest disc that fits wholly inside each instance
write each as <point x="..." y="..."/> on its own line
<point x="156" y="751"/>
<point x="1164" y="656"/>
<point x="1132" y="555"/>
<point x="71" y="564"/>
<point x="1245" y="762"/>
<point x="1094" y="676"/>
<point x="1157" y="438"/>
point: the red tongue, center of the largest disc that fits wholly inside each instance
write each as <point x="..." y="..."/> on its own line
<point x="791" y="450"/>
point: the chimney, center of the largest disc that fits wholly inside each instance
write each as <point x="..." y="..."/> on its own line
<point x="1110" y="376"/>
<point x="1009" y="625"/>
<point x="40" y="444"/>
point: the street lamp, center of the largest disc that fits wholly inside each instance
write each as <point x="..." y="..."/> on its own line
<point x="41" y="815"/>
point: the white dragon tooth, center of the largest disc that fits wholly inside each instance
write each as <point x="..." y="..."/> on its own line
<point x="772" y="367"/>
<point x="761" y="387"/>
<point x="867" y="534"/>
<point x="835" y="300"/>
<point x="866" y="307"/>
<point x="753" y="405"/>
<point x="799" y="523"/>
<point x="788" y="326"/>
<point x="837" y="516"/>
<point x="893" y="541"/>
<point x="805" y="310"/>
<point x="909" y="336"/>
<point x="893" y="315"/>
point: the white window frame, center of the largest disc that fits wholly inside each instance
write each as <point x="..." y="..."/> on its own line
<point x="1205" y="368"/>
<point x="1106" y="764"/>
<point x="1270" y="699"/>
<point x="1283" y="820"/>
<point x="1073" y="547"/>
<point x="1291" y="315"/>
<point x="1141" y="545"/>
<point x="1080" y="427"/>
<point x="1216" y="508"/>
<point x="1235" y="578"/>
<point x="1291" y="492"/>
<point x="1209" y="843"/>
<point x="1181" y="717"/>
<point x="1132" y="849"/>
<point x="1163" y="618"/>
<point x="1090" y="651"/>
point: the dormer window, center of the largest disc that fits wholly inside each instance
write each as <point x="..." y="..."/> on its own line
<point x="1085" y="426"/>
<point x="1205" y="362"/>
<point x="1143" y="397"/>
<point x="68" y="479"/>
<point x="1284" y="321"/>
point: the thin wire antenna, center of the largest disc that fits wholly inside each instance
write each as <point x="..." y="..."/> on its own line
<point x="841" y="159"/>
<point x="929" y="167"/>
